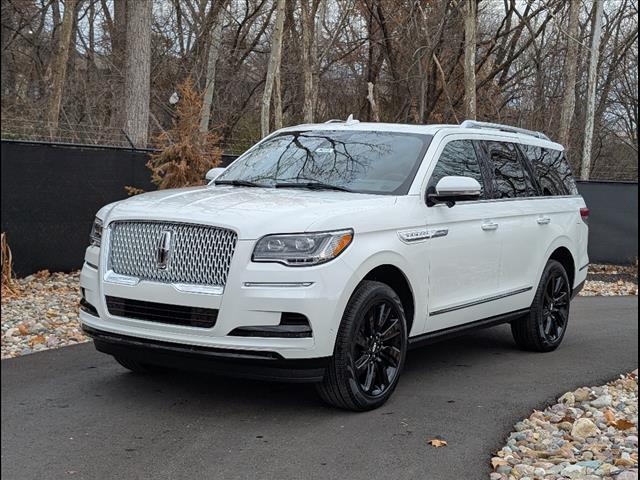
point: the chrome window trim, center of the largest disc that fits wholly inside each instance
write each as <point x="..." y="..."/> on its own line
<point x="515" y="199"/>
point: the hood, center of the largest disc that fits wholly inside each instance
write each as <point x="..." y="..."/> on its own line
<point x="251" y="212"/>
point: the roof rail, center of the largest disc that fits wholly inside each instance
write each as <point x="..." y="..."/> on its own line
<point x="503" y="128"/>
<point x="348" y="121"/>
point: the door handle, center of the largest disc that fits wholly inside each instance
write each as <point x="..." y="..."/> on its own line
<point x="544" y="220"/>
<point x="489" y="226"/>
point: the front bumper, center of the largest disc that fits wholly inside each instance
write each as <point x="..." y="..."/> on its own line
<point x="261" y="365"/>
<point x="256" y="294"/>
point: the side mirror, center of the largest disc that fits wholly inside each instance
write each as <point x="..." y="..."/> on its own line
<point x="451" y="189"/>
<point x="213" y="174"/>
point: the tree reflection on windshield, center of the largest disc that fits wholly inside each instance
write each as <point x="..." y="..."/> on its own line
<point x="362" y="161"/>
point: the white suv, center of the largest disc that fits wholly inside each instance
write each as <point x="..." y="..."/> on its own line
<point x="326" y="251"/>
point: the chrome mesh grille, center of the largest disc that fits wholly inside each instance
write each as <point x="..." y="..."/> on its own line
<point x="199" y="254"/>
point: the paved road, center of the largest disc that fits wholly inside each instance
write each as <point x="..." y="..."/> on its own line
<point x="74" y="413"/>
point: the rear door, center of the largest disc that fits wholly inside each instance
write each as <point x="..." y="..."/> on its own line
<point x="464" y="253"/>
<point x="516" y="211"/>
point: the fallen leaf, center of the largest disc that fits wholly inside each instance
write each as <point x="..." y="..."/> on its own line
<point x="37" y="339"/>
<point x="436" y="442"/>
<point x="611" y="418"/>
<point x="23" y="330"/>
<point x="624" y="424"/>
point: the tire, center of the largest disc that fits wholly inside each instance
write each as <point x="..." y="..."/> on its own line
<point x="543" y="328"/>
<point x="370" y="350"/>
<point x="138" y="367"/>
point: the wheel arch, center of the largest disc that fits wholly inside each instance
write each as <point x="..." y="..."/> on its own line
<point x="561" y="250"/>
<point x="392" y="269"/>
<point x="396" y="279"/>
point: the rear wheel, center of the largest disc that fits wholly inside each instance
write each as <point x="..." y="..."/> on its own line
<point x="370" y="350"/>
<point x="543" y="329"/>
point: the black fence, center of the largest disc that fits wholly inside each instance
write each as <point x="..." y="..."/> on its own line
<point x="613" y="223"/>
<point x="50" y="193"/>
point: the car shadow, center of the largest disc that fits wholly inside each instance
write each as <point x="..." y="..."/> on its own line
<point x="236" y="395"/>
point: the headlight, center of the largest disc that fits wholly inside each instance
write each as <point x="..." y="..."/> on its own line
<point x="95" y="237"/>
<point x="302" y="249"/>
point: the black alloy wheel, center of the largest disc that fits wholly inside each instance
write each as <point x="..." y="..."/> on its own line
<point x="544" y="327"/>
<point x="555" y="307"/>
<point x="378" y="348"/>
<point x="369" y="352"/>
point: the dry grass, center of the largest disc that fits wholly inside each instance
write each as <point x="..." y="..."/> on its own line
<point x="9" y="290"/>
<point x="186" y="154"/>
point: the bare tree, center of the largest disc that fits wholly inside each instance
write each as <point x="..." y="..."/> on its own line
<point x="569" y="74"/>
<point x="59" y="64"/>
<point x="470" y="59"/>
<point x="273" y="67"/>
<point x="212" y="59"/>
<point x="596" y="33"/>
<point x="308" y="13"/>
<point x="137" y="78"/>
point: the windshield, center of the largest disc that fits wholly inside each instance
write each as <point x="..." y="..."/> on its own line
<point x="357" y="161"/>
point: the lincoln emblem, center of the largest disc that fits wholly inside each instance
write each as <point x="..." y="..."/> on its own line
<point x="164" y="250"/>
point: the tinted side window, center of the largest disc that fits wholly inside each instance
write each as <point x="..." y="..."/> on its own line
<point x="552" y="170"/>
<point x="458" y="158"/>
<point x="565" y="174"/>
<point x="511" y="179"/>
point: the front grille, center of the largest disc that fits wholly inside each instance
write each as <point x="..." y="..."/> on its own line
<point x="162" y="312"/>
<point x="193" y="254"/>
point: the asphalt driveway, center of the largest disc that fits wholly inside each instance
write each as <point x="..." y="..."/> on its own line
<point x="75" y="413"/>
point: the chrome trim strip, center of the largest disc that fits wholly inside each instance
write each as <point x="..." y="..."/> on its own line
<point x="113" y="277"/>
<point x="277" y="284"/>
<point x="480" y="301"/>
<point x="419" y="234"/>
<point x="193" y="288"/>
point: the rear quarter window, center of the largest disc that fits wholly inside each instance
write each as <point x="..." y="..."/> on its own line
<point x="511" y="178"/>
<point x="551" y="169"/>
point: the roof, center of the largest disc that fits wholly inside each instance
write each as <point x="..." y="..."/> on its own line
<point x="468" y="127"/>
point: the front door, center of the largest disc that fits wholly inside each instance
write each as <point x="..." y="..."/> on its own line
<point x="464" y="259"/>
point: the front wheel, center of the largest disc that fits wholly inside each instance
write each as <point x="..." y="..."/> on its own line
<point x="370" y="350"/>
<point x="544" y="327"/>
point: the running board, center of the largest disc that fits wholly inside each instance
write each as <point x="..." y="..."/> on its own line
<point x="438" y="335"/>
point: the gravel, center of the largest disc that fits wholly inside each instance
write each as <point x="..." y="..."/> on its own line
<point x="41" y="311"/>
<point x="589" y="434"/>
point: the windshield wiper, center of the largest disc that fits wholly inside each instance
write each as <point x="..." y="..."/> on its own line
<point x="312" y="186"/>
<point x="238" y="183"/>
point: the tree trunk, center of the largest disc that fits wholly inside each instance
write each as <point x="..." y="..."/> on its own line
<point x="470" y="59"/>
<point x="137" y="82"/>
<point x="308" y="32"/>
<point x="372" y="102"/>
<point x="273" y="67"/>
<point x="585" y="171"/>
<point x="214" y="52"/>
<point x="277" y="99"/>
<point x="59" y="67"/>
<point x="570" y="69"/>
<point x="118" y="60"/>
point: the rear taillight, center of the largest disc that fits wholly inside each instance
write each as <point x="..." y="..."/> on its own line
<point x="584" y="214"/>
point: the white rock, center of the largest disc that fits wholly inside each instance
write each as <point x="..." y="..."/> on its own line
<point x="584" y="428"/>
<point x="602" y="401"/>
